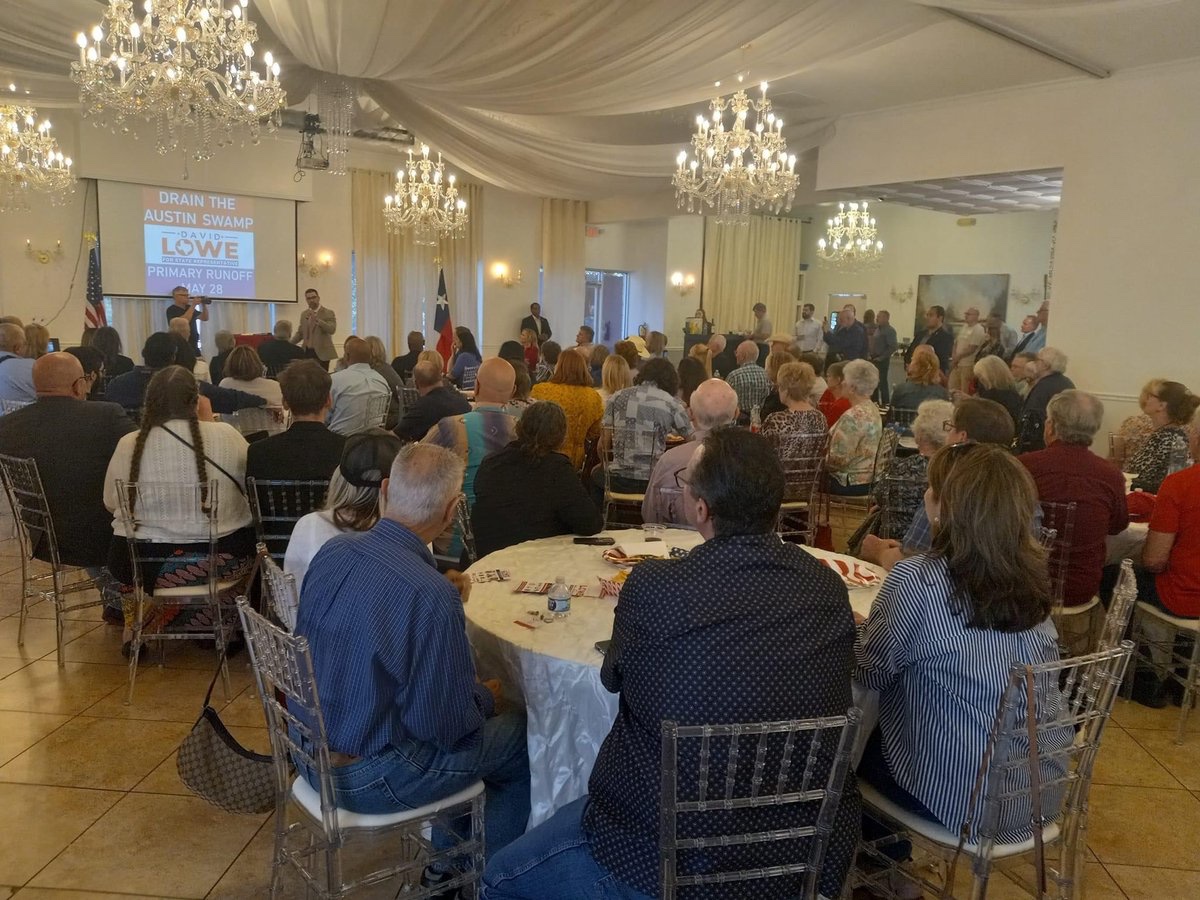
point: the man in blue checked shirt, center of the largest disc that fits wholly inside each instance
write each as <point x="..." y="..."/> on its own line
<point x="406" y="716"/>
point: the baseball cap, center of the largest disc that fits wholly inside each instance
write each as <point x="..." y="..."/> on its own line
<point x="367" y="457"/>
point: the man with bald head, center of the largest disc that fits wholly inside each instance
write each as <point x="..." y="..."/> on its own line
<point x="72" y="440"/>
<point x="714" y="405"/>
<point x="354" y="390"/>
<point x="724" y="359"/>
<point x="16" y="372"/>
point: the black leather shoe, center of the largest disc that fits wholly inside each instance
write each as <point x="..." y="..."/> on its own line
<point x="430" y="878"/>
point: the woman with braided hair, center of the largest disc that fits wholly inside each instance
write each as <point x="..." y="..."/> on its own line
<point x="178" y="442"/>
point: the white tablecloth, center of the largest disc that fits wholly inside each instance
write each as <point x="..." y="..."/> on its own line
<point x="554" y="671"/>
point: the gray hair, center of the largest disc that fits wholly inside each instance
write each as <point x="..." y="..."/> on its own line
<point x="180" y="326"/>
<point x="12" y="337"/>
<point x="927" y="425"/>
<point x="423" y="481"/>
<point x="746" y="351"/>
<point x="861" y="377"/>
<point x="1054" y="358"/>
<point x="283" y="330"/>
<point x="344" y="497"/>
<point x="1076" y="416"/>
<point x="714" y="403"/>
<point x="993" y="374"/>
<point x="224" y="341"/>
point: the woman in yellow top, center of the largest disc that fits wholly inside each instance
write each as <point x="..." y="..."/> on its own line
<point x="571" y="388"/>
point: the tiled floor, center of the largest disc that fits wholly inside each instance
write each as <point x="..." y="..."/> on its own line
<point x="91" y="806"/>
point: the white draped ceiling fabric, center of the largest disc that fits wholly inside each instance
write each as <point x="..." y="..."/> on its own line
<point x="757" y="263"/>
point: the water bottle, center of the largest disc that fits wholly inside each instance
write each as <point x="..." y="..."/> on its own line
<point x="558" y="602"/>
<point x="755" y="419"/>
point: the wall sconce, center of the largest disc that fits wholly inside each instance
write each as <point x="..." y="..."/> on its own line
<point x="501" y="274"/>
<point x="901" y="296"/>
<point x="1026" y="297"/>
<point x="323" y="264"/>
<point x="43" y="256"/>
<point x="683" y="283"/>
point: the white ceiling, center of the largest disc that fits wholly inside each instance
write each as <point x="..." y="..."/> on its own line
<point x="575" y="98"/>
<point x="978" y="194"/>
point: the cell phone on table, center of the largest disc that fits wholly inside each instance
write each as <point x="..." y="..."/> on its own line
<point x="602" y="646"/>
<point x="598" y="541"/>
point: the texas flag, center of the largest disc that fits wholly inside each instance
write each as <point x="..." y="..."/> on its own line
<point x="441" y="322"/>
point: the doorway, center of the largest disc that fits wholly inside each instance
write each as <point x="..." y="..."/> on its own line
<point x="606" y="304"/>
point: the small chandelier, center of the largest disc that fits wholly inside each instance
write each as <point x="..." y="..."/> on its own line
<point x="426" y="201"/>
<point x="186" y="65"/>
<point x="851" y="239"/>
<point x="30" y="160"/>
<point x="739" y="170"/>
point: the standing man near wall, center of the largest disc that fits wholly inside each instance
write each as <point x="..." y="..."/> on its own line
<point x="185" y="306"/>
<point x="968" y="342"/>
<point x="317" y="325"/>
<point x="882" y="346"/>
<point x="810" y="337"/>
<point x="536" y="323"/>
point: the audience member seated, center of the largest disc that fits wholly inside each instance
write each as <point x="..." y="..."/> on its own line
<point x="649" y="409"/>
<point x="749" y="379"/>
<point x="854" y="438"/>
<point x="922" y="384"/>
<point x="403" y="365"/>
<point x="279" y="352"/>
<point x="571" y="388"/>
<point x="1170" y="409"/>
<point x="244" y="372"/>
<point x="178" y="442"/>
<point x="615" y="377"/>
<point x="16" y="369"/>
<point x="1022" y="368"/>
<point x="1067" y="471"/>
<point x="486" y="428"/>
<point x="994" y="381"/>
<point x="832" y="404"/>
<point x="308" y="450"/>
<point x="585" y="341"/>
<point x="530" y="349"/>
<point x="975" y="421"/>
<point x="703" y="640"/>
<point x="71" y="442"/>
<point x="703" y="355"/>
<point x="776" y="360"/>
<point x="724" y="357"/>
<point x="1050" y="380"/>
<point x="596" y="360"/>
<point x="380" y="364"/>
<point x="92" y="362"/>
<point x="436" y="401"/>
<point x="438" y="360"/>
<point x="522" y="388"/>
<point x="627" y="350"/>
<point x="714" y="405"/>
<point x="185" y="354"/>
<point x="944" y="631"/>
<point x="530" y="489"/>
<point x="216" y="366"/>
<point x="407" y="718"/>
<point x="550" y="351"/>
<point x="1131" y="435"/>
<point x="37" y="340"/>
<point x="354" y="389"/>
<point x="799" y="422"/>
<point x="107" y="340"/>
<point x="928" y="430"/>
<point x="1171" y="556"/>
<point x="159" y="352"/>
<point x="466" y="356"/>
<point x="352" y="503"/>
<point x="691" y="376"/>
<point x="820" y="385"/>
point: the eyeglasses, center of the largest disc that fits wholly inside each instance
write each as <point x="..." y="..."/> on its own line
<point x="947" y="425"/>
<point x="680" y="481"/>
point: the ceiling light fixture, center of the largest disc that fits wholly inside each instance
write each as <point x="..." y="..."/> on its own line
<point x="426" y="201"/>
<point x="851" y="241"/>
<point x="30" y="160"/>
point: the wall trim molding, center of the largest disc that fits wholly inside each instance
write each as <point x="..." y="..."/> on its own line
<point x="1120" y="398"/>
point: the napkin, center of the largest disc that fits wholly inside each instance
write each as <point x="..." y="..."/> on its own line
<point x="643" y="548"/>
<point x="854" y="574"/>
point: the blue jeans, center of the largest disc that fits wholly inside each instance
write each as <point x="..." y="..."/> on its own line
<point x="553" y="860"/>
<point x="416" y="773"/>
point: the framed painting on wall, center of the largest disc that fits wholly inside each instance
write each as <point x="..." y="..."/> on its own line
<point x="958" y="293"/>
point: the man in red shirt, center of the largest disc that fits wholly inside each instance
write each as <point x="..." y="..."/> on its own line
<point x="1172" y="548"/>
<point x="1067" y="471"/>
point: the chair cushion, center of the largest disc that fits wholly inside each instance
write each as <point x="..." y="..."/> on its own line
<point x="310" y="801"/>
<point x="626" y="498"/>
<point x="1182" y="624"/>
<point x="192" y="590"/>
<point x="934" y="832"/>
<point x="1076" y="610"/>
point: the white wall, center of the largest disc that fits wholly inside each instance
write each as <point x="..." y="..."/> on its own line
<point x="1124" y="307"/>
<point x="922" y="242"/>
<point x="512" y="226"/>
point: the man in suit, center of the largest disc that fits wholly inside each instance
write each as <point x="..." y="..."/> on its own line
<point x="1029" y="327"/>
<point x="937" y="336"/>
<point x="308" y="451"/>
<point x="535" y="323"/>
<point x="278" y="352"/>
<point x="317" y="325"/>
<point x="435" y="403"/>
<point x="403" y="365"/>
<point x="72" y="441"/>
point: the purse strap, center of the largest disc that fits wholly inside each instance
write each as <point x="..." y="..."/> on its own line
<point x="208" y="459"/>
<point x="225" y="651"/>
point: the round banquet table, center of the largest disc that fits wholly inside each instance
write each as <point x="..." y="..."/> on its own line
<point x="554" y="670"/>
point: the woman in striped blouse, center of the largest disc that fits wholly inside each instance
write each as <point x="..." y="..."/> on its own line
<point x="946" y="628"/>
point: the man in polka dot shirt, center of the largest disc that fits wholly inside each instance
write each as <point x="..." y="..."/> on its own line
<point x="745" y="629"/>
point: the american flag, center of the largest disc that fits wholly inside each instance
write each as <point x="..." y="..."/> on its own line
<point x="94" y="309"/>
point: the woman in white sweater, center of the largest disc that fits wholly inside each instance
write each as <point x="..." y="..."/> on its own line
<point x="244" y="371"/>
<point x="179" y="443"/>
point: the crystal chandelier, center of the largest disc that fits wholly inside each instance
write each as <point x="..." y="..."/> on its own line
<point x="426" y="201"/>
<point x="186" y="65"/>
<point x="30" y="159"/>
<point x="335" y="106"/>
<point x="851" y="239"/>
<point x="741" y="169"/>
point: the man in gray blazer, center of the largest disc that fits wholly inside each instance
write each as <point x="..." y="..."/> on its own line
<point x="317" y="325"/>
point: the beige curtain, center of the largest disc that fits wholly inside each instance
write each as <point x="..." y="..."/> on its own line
<point x="563" y="224"/>
<point x="398" y="279"/>
<point x="744" y="265"/>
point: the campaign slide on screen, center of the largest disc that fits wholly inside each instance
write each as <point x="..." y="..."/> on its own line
<point x="199" y="239"/>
